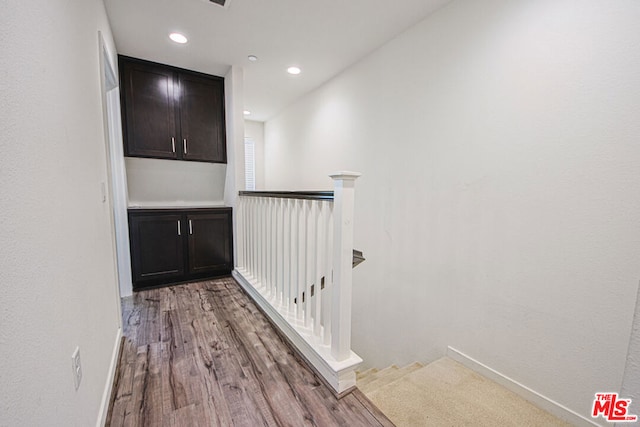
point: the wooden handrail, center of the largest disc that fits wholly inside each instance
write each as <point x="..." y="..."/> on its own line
<point x="304" y="195"/>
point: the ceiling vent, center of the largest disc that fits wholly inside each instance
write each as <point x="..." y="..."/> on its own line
<point x="223" y="3"/>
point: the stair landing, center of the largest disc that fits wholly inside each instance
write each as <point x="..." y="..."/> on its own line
<point x="446" y="393"/>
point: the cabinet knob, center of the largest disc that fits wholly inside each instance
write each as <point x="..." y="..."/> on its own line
<point x="190" y="227"/>
<point x="184" y="145"/>
<point x="173" y="144"/>
<point x="179" y="233"/>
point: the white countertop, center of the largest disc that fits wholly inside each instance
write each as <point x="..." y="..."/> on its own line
<point x="176" y="205"/>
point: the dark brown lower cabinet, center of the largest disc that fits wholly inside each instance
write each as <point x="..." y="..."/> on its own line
<point x="157" y="249"/>
<point x="209" y="242"/>
<point x="173" y="246"/>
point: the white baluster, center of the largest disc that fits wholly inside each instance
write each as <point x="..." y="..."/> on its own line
<point x="274" y="247"/>
<point x="254" y="224"/>
<point x="267" y="246"/>
<point x="327" y="298"/>
<point x="241" y="239"/>
<point x="293" y="290"/>
<point x="277" y="255"/>
<point x="247" y="239"/>
<point x="247" y="235"/>
<point x="258" y="240"/>
<point x="272" y="239"/>
<point x="263" y="243"/>
<point x="249" y="249"/>
<point x="286" y="251"/>
<point x="310" y="262"/>
<point x="318" y="261"/>
<point x="237" y="259"/>
<point x="302" y="259"/>
<point x="256" y="248"/>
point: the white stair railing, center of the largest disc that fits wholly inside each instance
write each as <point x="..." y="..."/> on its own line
<point x="294" y="257"/>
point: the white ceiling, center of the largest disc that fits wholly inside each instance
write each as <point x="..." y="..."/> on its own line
<point x="321" y="37"/>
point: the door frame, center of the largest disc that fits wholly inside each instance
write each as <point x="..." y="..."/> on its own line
<point x="116" y="171"/>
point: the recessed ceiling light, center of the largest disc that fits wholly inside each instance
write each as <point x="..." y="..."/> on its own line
<point x="178" y="38"/>
<point x="252" y="58"/>
<point x="294" y="70"/>
<point x="247" y="112"/>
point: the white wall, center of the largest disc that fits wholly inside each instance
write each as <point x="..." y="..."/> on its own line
<point x="255" y="131"/>
<point x="234" y="107"/>
<point x="156" y="182"/>
<point x="631" y="381"/>
<point x="498" y="207"/>
<point x="58" y="282"/>
<point x="234" y="100"/>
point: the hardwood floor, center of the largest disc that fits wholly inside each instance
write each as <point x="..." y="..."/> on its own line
<point x="202" y="354"/>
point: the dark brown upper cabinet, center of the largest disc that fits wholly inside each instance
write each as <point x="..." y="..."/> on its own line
<point x="171" y="113"/>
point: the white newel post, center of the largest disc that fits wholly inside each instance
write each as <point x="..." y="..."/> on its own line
<point x="343" y="206"/>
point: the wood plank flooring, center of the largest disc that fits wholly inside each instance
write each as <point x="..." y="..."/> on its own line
<point x="202" y="354"/>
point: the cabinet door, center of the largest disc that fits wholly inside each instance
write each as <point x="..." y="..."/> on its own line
<point x="156" y="248"/>
<point x="210" y="246"/>
<point x="149" y="113"/>
<point x="202" y="118"/>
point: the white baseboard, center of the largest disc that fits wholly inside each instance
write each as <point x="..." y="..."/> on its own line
<point x="521" y="390"/>
<point x="106" y="395"/>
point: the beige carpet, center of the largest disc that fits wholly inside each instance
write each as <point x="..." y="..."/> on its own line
<point x="445" y="393"/>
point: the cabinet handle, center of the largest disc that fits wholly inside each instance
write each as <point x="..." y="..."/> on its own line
<point x="190" y="227"/>
<point x="173" y="144"/>
<point x="179" y="233"/>
<point x="184" y="144"/>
